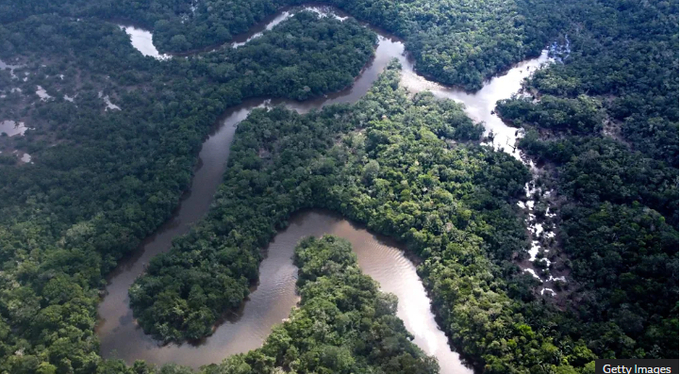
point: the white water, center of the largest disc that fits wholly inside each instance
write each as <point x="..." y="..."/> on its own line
<point x="549" y="291"/>
<point x="480" y="106"/>
<point x="109" y="104"/>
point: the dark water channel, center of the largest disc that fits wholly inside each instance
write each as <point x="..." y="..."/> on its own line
<point x="274" y="296"/>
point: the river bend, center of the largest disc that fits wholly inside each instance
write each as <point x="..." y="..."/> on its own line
<point x="271" y="301"/>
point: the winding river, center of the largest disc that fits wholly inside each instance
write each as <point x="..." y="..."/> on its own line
<point x="271" y="301"/>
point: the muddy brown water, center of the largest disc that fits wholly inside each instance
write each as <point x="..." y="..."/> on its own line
<point x="272" y="299"/>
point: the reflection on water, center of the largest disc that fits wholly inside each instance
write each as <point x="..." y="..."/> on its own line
<point x="272" y="300"/>
<point x="142" y="40"/>
<point x="117" y="331"/>
<point x="274" y="297"/>
<point x="260" y="28"/>
<point x="480" y="105"/>
<point x="384" y="260"/>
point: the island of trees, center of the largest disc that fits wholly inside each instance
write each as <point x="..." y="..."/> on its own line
<point x="343" y="325"/>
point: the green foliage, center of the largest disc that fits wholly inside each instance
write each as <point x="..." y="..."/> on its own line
<point x="630" y="71"/>
<point x="596" y="169"/>
<point x="380" y="162"/>
<point x="372" y="161"/>
<point x="462" y="43"/>
<point x="103" y="180"/>
<point x="343" y="324"/>
<point x="579" y="116"/>
<point x="626" y="261"/>
<point x="617" y="185"/>
<point x="456" y="42"/>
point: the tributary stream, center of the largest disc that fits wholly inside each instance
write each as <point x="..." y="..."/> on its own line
<point x="271" y="301"/>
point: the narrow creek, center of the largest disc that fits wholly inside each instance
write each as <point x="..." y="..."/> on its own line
<point x="272" y="299"/>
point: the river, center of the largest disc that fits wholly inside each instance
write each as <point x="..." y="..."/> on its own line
<point x="271" y="301"/>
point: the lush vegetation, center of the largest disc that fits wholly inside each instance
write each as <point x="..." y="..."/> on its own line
<point x="343" y="324"/>
<point x="459" y="42"/>
<point x="581" y="115"/>
<point x="401" y="166"/>
<point x="603" y="122"/>
<point x="606" y="125"/>
<point x="105" y="179"/>
<point x="277" y="166"/>
<point x="610" y="138"/>
<point x="456" y="42"/>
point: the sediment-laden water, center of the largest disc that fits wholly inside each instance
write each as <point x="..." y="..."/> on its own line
<point x="272" y="300"/>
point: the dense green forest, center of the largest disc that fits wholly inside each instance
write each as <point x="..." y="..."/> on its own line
<point x="606" y="127"/>
<point x="617" y="186"/>
<point x="455" y="42"/>
<point x="399" y="164"/>
<point x="343" y="325"/>
<point x="103" y="180"/>
<point x="602" y="122"/>
<point x="258" y="196"/>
